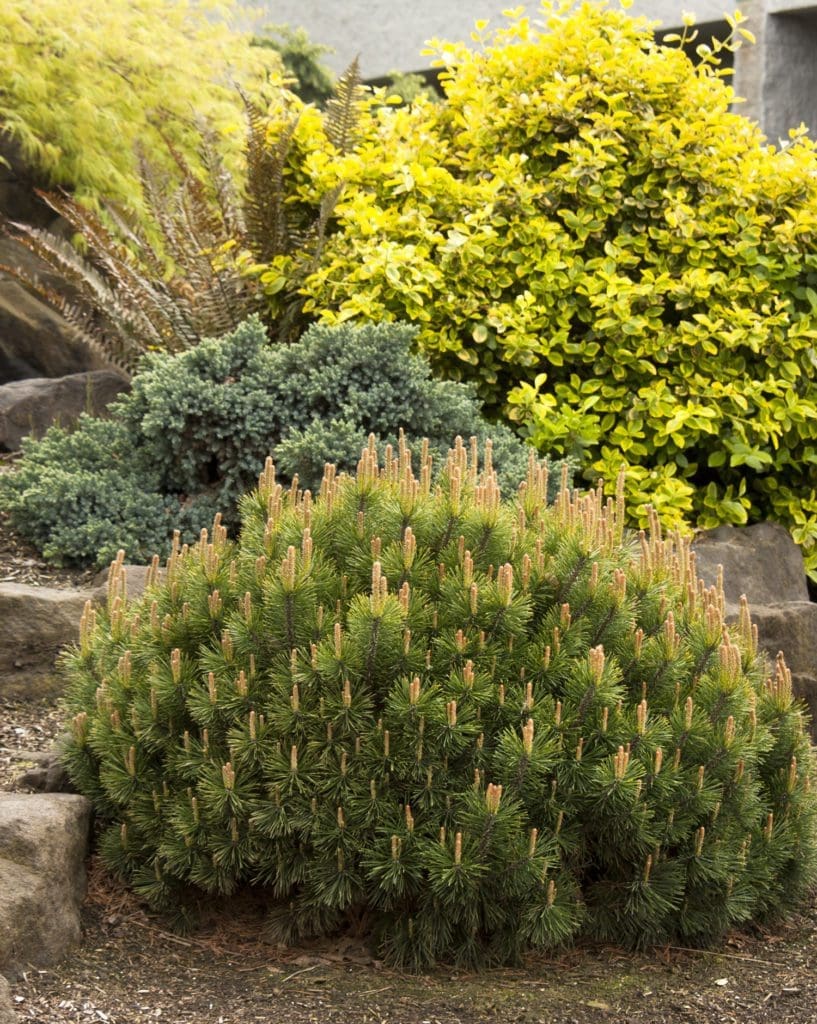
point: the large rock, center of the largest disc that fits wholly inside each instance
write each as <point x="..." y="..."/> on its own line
<point x="18" y="185"/>
<point x="18" y="257"/>
<point x="35" y="623"/>
<point x="47" y="775"/>
<point x="35" y="341"/>
<point x="31" y="406"/>
<point x="20" y="359"/>
<point x="765" y="564"/>
<point x="43" y="845"/>
<point x="7" y="1014"/>
<point x="136" y="577"/>
<point x="791" y="627"/>
<point x="760" y="561"/>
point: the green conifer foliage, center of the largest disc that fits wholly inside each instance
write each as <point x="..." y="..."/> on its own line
<point x="481" y="726"/>
<point x="189" y="436"/>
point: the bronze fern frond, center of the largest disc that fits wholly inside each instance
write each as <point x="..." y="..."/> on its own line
<point x="343" y="109"/>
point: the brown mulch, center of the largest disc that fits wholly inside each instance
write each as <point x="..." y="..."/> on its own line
<point x="130" y="969"/>
<point x="28" y="729"/>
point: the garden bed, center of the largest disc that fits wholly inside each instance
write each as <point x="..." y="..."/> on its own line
<point x="130" y="969"/>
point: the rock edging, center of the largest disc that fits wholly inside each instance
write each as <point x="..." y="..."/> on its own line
<point x="43" y="846"/>
<point x="36" y="623"/>
<point x="763" y="563"/>
<point x="31" y="406"/>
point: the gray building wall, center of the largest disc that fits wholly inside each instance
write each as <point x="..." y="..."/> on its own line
<point x="390" y="36"/>
<point x="777" y="77"/>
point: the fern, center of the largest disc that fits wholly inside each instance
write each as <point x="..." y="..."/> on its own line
<point x="225" y="194"/>
<point x="103" y="315"/>
<point x="267" y="227"/>
<point x="131" y="294"/>
<point x="343" y="110"/>
<point x="276" y="224"/>
<point x="185" y="280"/>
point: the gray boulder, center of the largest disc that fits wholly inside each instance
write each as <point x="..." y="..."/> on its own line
<point x="760" y="561"/>
<point x="43" y="845"/>
<point x="18" y="184"/>
<point x="19" y="258"/>
<point x="791" y="627"/>
<point x="35" y="340"/>
<point x="135" y="581"/>
<point x="765" y="564"/>
<point x="31" y="406"/>
<point x="47" y="775"/>
<point x="7" y="1014"/>
<point x="35" y="623"/>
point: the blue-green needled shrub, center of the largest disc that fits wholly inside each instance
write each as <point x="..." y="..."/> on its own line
<point x="481" y="727"/>
<point x="189" y="437"/>
<point x="80" y="496"/>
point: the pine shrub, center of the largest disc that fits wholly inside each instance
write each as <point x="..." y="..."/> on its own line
<point x="188" y="438"/>
<point x="479" y="726"/>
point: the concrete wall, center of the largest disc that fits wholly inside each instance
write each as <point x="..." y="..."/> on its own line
<point x="777" y="77"/>
<point x="390" y="36"/>
<point x="791" y="43"/>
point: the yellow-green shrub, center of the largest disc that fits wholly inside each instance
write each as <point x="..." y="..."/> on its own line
<point x="619" y="262"/>
<point x="80" y="84"/>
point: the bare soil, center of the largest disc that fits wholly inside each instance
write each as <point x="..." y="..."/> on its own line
<point x="130" y="969"/>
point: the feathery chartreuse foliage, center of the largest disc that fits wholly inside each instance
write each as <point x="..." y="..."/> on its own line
<point x="474" y="727"/>
<point x="179" y="274"/>
<point x="81" y="85"/>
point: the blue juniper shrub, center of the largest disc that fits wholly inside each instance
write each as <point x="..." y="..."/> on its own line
<point x="196" y="427"/>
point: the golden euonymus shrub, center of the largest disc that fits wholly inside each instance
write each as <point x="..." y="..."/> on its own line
<point x="619" y="262"/>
